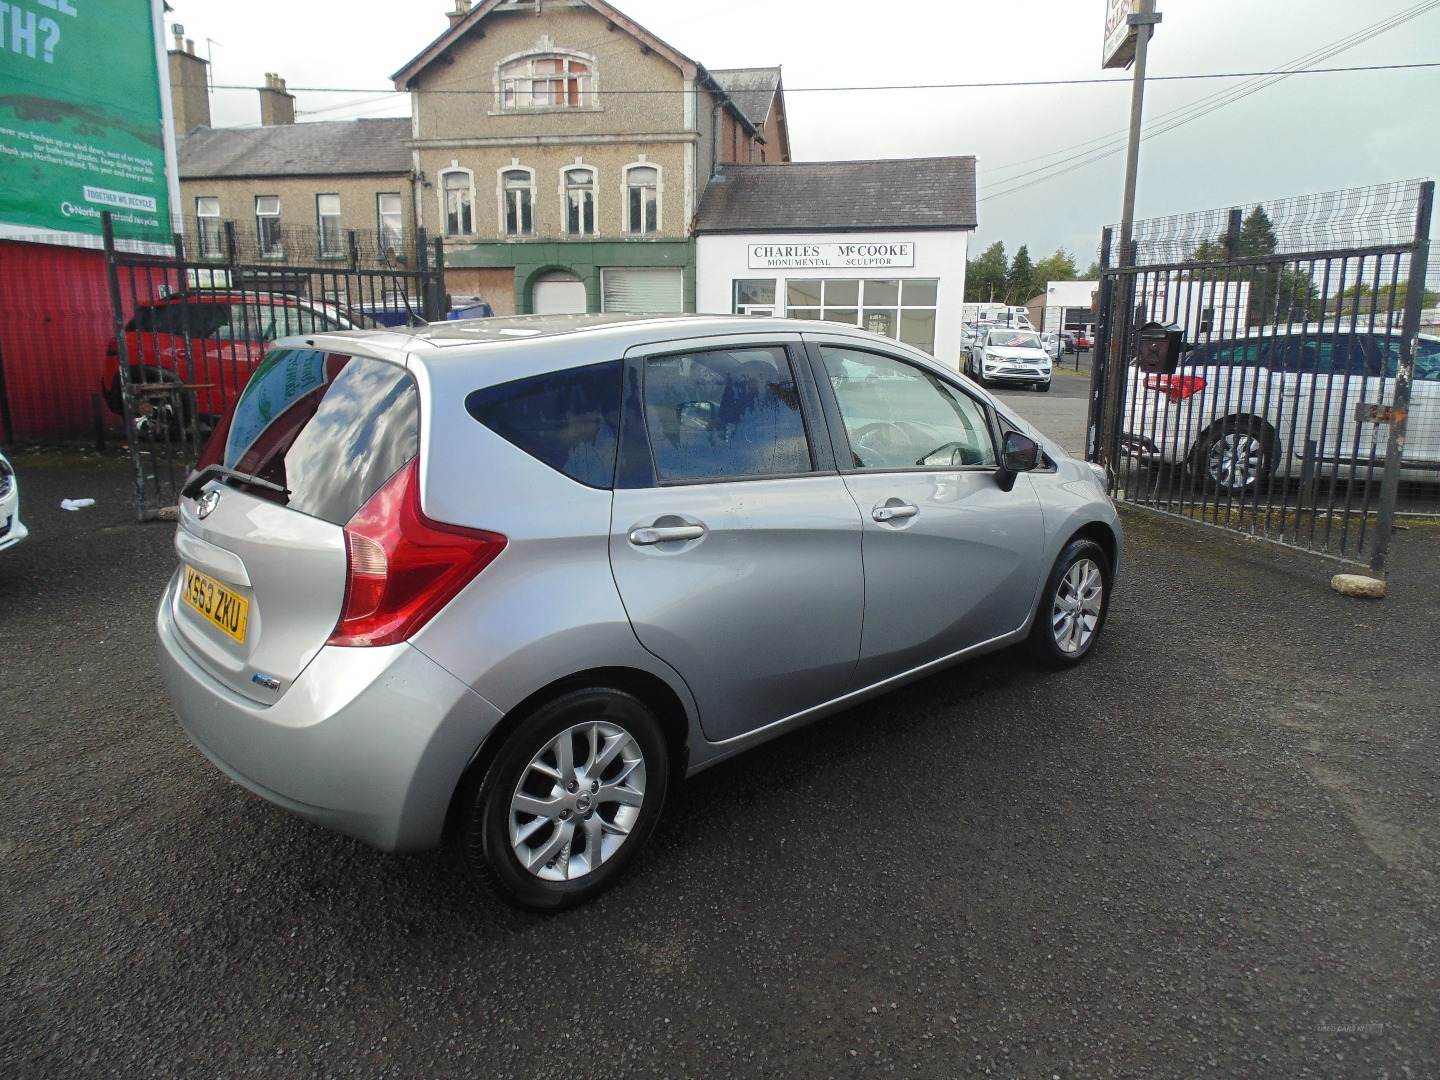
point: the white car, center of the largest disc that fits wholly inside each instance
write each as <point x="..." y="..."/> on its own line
<point x="11" y="529"/>
<point x="1240" y="410"/>
<point x="1002" y="356"/>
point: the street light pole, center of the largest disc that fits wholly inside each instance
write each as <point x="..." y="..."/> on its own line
<point x="1144" y="21"/>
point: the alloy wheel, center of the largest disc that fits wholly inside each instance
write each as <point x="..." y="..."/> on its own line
<point x="1235" y="460"/>
<point x="1076" y="612"/>
<point x="577" y="801"/>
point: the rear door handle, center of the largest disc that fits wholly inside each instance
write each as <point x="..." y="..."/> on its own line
<point x="659" y="534"/>
<point x="890" y="513"/>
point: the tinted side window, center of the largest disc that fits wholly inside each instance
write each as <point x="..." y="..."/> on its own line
<point x="1427" y="359"/>
<point x="569" y="419"/>
<point x="725" y="413"/>
<point x="1333" y="354"/>
<point x="330" y="428"/>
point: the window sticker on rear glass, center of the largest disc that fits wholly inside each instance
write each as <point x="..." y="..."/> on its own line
<point x="283" y="378"/>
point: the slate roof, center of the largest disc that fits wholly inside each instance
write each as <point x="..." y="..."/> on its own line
<point x="752" y="89"/>
<point x="323" y="148"/>
<point x="831" y="196"/>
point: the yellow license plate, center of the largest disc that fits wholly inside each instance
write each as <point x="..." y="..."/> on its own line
<point x="225" y="609"/>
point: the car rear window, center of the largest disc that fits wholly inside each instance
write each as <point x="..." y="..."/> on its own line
<point x="568" y="419"/>
<point x="331" y="428"/>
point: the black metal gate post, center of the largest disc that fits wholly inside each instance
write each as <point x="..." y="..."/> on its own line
<point x="1100" y="352"/>
<point x="127" y="405"/>
<point x="1404" y="376"/>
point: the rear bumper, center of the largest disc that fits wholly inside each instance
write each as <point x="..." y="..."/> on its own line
<point x="369" y="742"/>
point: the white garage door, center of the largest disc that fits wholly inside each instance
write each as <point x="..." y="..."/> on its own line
<point x="643" y="290"/>
<point x="559" y="294"/>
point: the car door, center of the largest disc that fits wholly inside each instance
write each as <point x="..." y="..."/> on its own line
<point x="734" y="542"/>
<point x="951" y="560"/>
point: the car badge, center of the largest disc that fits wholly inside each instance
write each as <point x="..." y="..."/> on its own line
<point x="205" y="505"/>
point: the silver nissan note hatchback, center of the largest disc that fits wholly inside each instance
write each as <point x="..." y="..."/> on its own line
<point x="501" y="581"/>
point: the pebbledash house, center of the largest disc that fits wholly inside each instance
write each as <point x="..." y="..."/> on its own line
<point x="572" y="161"/>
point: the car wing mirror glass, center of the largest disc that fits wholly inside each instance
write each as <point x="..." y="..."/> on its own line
<point x="1019" y="453"/>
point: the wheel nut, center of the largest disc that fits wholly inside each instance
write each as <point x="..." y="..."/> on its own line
<point x="594" y="785"/>
<point x="571" y="786"/>
<point x="564" y="814"/>
<point x="588" y="813"/>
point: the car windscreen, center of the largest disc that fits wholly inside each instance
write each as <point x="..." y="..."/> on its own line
<point x="1014" y="339"/>
<point x="330" y="428"/>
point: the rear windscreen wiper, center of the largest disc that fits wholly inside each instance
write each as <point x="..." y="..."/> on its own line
<point x="197" y="482"/>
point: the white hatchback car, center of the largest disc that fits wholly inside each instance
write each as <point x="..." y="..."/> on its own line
<point x="12" y="531"/>
<point x="1240" y="410"/>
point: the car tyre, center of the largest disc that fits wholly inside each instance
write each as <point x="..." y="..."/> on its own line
<point x="1234" y="456"/>
<point x="1070" y="599"/>
<point x="495" y="834"/>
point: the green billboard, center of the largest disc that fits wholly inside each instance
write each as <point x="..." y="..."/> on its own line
<point x="82" y="126"/>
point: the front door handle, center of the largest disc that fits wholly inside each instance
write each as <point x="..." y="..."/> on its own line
<point x="659" y="534"/>
<point x="892" y="512"/>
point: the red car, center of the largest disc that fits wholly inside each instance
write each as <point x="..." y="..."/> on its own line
<point x="229" y="333"/>
<point x="1082" y="339"/>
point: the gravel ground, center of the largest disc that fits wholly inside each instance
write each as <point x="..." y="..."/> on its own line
<point x="1211" y="850"/>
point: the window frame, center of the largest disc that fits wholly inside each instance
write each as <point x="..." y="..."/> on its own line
<point x="455" y="169"/>
<point x="502" y="195"/>
<point x="565" y="170"/>
<point x="637" y="466"/>
<point x="200" y="220"/>
<point x="835" y="419"/>
<point x="320" y="216"/>
<point x="588" y="89"/>
<point x="399" y="215"/>
<point x="278" y="251"/>
<point x="625" y="222"/>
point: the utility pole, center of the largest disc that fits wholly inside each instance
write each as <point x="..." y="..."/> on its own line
<point x="1144" y="22"/>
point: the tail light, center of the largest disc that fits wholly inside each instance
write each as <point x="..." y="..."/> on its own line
<point x="401" y="567"/>
<point x="1175" y="387"/>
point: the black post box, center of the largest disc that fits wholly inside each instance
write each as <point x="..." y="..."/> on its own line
<point x="1158" y="347"/>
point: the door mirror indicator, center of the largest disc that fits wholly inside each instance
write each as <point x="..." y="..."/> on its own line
<point x="1019" y="454"/>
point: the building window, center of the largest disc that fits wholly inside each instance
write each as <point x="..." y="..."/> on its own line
<point x="327" y="220"/>
<point x="1207" y="320"/>
<point x="517" y="196"/>
<point x="580" y="201"/>
<point x="754" y="296"/>
<point x="901" y="308"/>
<point x="642" y="199"/>
<point x="267" y="226"/>
<point x="456" y="191"/>
<point x="545" y="82"/>
<point x="209" y="229"/>
<point x="390" y="220"/>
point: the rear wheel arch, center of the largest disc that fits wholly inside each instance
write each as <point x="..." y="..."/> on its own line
<point x="652" y="692"/>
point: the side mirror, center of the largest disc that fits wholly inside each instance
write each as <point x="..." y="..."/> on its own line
<point x="1018" y="454"/>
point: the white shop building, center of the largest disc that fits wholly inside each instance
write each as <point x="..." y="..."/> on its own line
<point x="877" y="244"/>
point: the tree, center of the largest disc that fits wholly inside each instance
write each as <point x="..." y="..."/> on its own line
<point x="985" y="276"/>
<point x="1209" y="251"/>
<point x="1092" y="272"/>
<point x="1361" y="299"/>
<point x="1257" y="235"/>
<point x="1057" y="267"/>
<point x="1020" y="282"/>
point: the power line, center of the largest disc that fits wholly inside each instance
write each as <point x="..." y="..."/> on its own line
<point x="890" y="86"/>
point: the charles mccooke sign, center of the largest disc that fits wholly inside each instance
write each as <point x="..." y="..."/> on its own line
<point x="832" y="255"/>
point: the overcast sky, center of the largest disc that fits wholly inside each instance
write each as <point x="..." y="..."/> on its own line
<point x="1307" y="133"/>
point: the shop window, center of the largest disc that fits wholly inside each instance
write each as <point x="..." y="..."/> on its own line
<point x="390" y="220"/>
<point x="457" y="196"/>
<point x="754" y="296"/>
<point x="267" y="227"/>
<point x="209" y="229"/>
<point x="642" y="199"/>
<point x="327" y="225"/>
<point x="900" y="308"/>
<point x="580" y="201"/>
<point x="517" y="193"/>
<point x="546" y="82"/>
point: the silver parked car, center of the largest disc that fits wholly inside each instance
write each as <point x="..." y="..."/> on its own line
<point x="501" y="581"/>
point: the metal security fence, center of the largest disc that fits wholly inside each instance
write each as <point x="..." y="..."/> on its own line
<point x="186" y="333"/>
<point x="1262" y="369"/>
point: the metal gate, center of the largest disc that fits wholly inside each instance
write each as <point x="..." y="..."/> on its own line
<point x="1262" y="369"/>
<point x="190" y="328"/>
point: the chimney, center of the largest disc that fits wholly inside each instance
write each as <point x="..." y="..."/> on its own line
<point x="277" y="105"/>
<point x="462" y="8"/>
<point x="189" y="84"/>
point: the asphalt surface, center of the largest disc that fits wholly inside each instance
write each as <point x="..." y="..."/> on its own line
<point x="1061" y="412"/>
<point x="1210" y="850"/>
